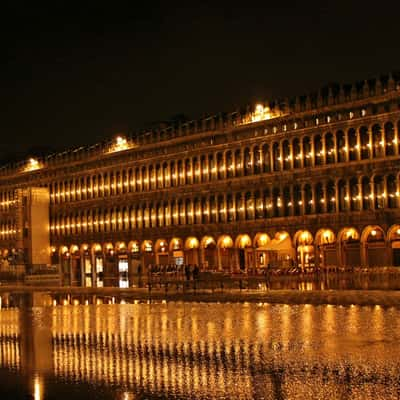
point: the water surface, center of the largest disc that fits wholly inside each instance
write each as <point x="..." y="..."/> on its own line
<point x="200" y="351"/>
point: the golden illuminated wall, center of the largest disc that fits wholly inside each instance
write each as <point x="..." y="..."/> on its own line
<point x="37" y="240"/>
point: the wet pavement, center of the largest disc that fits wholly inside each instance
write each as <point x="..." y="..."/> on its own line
<point x="197" y="350"/>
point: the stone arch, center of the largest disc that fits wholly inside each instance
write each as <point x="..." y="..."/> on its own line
<point x="348" y="247"/>
<point x="261" y="239"/>
<point x="161" y="251"/>
<point x="226" y="253"/>
<point x="191" y="250"/>
<point x="148" y="254"/>
<point x="279" y="251"/>
<point x="87" y="265"/>
<point x="389" y="139"/>
<point x="76" y="265"/>
<point x="98" y="264"/>
<point x="325" y="249"/>
<point x="304" y="245"/>
<point x="133" y="246"/>
<point x="244" y="252"/>
<point x="373" y="241"/>
<point x="176" y="247"/>
<point x="393" y="242"/>
<point x="208" y="248"/>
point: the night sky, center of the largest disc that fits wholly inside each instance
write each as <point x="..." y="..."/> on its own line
<point x="75" y="74"/>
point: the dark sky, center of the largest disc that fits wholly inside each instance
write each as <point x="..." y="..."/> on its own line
<point x="74" y="74"/>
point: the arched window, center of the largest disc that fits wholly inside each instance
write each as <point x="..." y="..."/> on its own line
<point x="248" y="162"/>
<point x="343" y="196"/>
<point x="330" y="197"/>
<point x="277" y="203"/>
<point x="391" y="185"/>
<point x="319" y="155"/>
<point x="389" y="139"/>
<point x="297" y="200"/>
<point x="220" y="166"/>
<point x="181" y="173"/>
<point x="267" y="203"/>
<point x="307" y="153"/>
<point x="286" y="201"/>
<point x="355" y="197"/>
<point x="166" y="176"/>
<point x="257" y="157"/>
<point x="205" y="211"/>
<point x="230" y="208"/>
<point x="353" y="145"/>
<point x="308" y="199"/>
<point x="221" y="209"/>
<point x="249" y="206"/>
<point x="319" y="198"/>
<point x="276" y="155"/>
<point x="229" y="165"/>
<point x="365" y="144"/>
<point x="197" y="170"/>
<point x="266" y="166"/>
<point x="297" y="154"/>
<point x="341" y="149"/>
<point x="287" y="156"/>
<point x="366" y="193"/>
<point x="173" y="176"/>
<point x="239" y="207"/>
<point x="329" y="148"/>
<point x="213" y="209"/>
<point x="188" y="172"/>
<point x="159" y="177"/>
<point x="239" y="163"/>
<point x="379" y="189"/>
<point x="377" y="141"/>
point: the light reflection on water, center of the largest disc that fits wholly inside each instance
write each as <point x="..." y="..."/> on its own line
<point x="200" y="351"/>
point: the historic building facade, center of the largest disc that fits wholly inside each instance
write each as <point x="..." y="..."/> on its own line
<point x="312" y="181"/>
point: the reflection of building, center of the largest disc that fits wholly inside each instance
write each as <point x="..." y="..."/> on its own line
<point x="226" y="351"/>
<point x="313" y="181"/>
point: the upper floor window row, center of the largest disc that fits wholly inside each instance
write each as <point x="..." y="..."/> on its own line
<point x="359" y="144"/>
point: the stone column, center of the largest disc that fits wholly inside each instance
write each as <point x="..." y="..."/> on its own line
<point x="312" y="151"/>
<point x="337" y="196"/>
<point x="372" y="194"/>
<point x="313" y="199"/>
<point x="302" y="206"/>
<point x="302" y="155"/>
<point x="358" y="145"/>
<point x="370" y="143"/>
<point x="396" y="139"/>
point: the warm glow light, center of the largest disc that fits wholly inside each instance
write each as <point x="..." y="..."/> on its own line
<point x="32" y="165"/>
<point x="261" y="113"/>
<point x="227" y="242"/>
<point x="351" y="234"/>
<point x="120" y="143"/>
<point x="263" y="239"/>
<point x="37" y="388"/>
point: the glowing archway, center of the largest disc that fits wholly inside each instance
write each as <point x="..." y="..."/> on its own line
<point x="208" y="253"/>
<point x="374" y="246"/>
<point x="325" y="249"/>
<point x="303" y="241"/>
<point x="349" y="247"/>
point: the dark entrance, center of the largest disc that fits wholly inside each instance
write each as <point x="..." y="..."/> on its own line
<point x="242" y="261"/>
